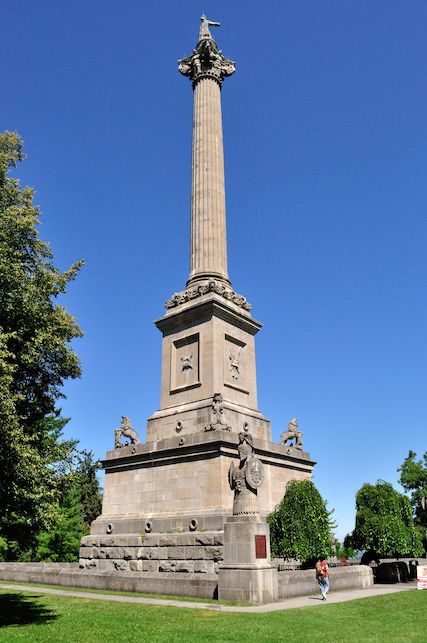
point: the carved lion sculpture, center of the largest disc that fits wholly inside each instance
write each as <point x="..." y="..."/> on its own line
<point x="126" y="431"/>
<point x="292" y="433"/>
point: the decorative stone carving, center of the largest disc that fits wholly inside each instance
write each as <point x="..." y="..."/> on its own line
<point x="186" y="362"/>
<point x="246" y="478"/>
<point x="217" y="415"/>
<point x="206" y="60"/>
<point x="126" y="431"/>
<point x="234" y="364"/>
<point x="292" y="433"/>
<point x="211" y="286"/>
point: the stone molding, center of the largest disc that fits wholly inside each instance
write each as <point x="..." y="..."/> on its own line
<point x="212" y="286"/>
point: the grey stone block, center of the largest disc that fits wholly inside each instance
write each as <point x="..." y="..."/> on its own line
<point x="219" y="538"/>
<point x="185" y="566"/>
<point x="105" y="565"/>
<point x="167" y="541"/>
<point x="204" y="539"/>
<point x="105" y="541"/>
<point x="204" y="566"/>
<point x="129" y="553"/>
<point x="176" y="552"/>
<point x="135" y="566"/>
<point x="186" y="540"/>
<point x="151" y="540"/>
<point x="150" y="565"/>
<point x="143" y="553"/>
<point x="194" y="553"/>
<point x="113" y="552"/>
<point x="121" y="565"/>
<point x="156" y="553"/>
<point x="213" y="553"/>
<point x="167" y="565"/>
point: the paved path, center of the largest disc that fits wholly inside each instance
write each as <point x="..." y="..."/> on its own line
<point x="289" y="603"/>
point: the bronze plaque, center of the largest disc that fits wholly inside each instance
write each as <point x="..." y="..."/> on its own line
<point x="260" y="547"/>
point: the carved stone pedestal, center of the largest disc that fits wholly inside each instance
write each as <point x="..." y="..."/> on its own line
<point x="247" y="574"/>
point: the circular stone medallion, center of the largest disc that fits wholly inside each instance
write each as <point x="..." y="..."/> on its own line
<point x="254" y="473"/>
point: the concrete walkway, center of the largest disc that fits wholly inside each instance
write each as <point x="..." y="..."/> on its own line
<point x="300" y="601"/>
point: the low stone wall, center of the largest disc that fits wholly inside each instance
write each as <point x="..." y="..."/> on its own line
<point x="303" y="582"/>
<point x="294" y="583"/>
<point x="191" y="553"/>
<point x="70" y="575"/>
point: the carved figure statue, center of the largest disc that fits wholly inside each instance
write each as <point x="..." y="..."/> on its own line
<point x="186" y="362"/>
<point x="292" y="433"/>
<point x="206" y="59"/>
<point x="245" y="479"/>
<point x="204" y="27"/>
<point x="217" y="414"/>
<point x="234" y="364"/>
<point x="126" y="431"/>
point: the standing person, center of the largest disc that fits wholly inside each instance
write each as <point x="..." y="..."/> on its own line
<point x="323" y="576"/>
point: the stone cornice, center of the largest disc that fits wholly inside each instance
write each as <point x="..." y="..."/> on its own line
<point x="204" y="310"/>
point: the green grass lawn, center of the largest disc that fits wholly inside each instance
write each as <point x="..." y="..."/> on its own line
<point x="27" y="616"/>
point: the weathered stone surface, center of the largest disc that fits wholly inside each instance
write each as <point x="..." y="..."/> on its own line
<point x="129" y="553"/>
<point x="150" y="565"/>
<point x="176" y="552"/>
<point x="204" y="566"/>
<point x="185" y="566"/>
<point x="156" y="553"/>
<point x="219" y="538"/>
<point x="213" y="553"/>
<point x="136" y="566"/>
<point x="167" y="565"/>
<point x="167" y="541"/>
<point x="204" y="539"/>
<point x="151" y="540"/>
<point x="105" y="541"/>
<point x="143" y="553"/>
<point x="121" y="565"/>
<point x="194" y="553"/>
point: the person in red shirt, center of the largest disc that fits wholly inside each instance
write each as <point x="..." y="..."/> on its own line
<point x="323" y="576"/>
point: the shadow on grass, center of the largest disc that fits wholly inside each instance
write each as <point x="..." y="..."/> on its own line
<point x="17" y="609"/>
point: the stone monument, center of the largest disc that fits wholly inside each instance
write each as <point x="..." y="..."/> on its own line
<point x="246" y="573"/>
<point x="166" y="500"/>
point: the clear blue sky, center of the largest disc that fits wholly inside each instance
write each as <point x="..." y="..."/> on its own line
<point x="325" y="156"/>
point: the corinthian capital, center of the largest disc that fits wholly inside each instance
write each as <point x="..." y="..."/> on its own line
<point x="206" y="60"/>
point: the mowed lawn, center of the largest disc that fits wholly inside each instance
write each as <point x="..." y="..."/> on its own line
<point x="27" y="616"/>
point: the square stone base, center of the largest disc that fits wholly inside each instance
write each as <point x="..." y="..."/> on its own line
<point x="247" y="574"/>
<point x="248" y="584"/>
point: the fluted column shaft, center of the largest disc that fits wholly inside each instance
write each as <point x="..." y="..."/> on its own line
<point x="208" y="226"/>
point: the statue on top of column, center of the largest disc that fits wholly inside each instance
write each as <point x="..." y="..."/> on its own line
<point x="206" y="59"/>
<point x="204" y="27"/>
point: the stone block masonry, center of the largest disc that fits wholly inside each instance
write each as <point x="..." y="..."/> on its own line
<point x="197" y="553"/>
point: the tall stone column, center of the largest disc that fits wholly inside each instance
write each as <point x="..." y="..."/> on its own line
<point x="206" y="68"/>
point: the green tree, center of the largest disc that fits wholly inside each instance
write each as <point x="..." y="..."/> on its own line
<point x="300" y="526"/>
<point x="343" y="551"/>
<point x="89" y="488"/>
<point x="384" y="522"/>
<point x="36" y="356"/>
<point x="413" y="477"/>
<point x="61" y="543"/>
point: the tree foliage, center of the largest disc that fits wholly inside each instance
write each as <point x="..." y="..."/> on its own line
<point x="300" y="526"/>
<point x="413" y="478"/>
<point x="384" y="522"/>
<point x="36" y="358"/>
